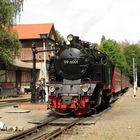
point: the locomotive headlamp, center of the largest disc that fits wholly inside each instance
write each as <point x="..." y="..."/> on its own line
<point x="85" y="88"/>
<point x="51" y="88"/>
<point x="70" y="37"/>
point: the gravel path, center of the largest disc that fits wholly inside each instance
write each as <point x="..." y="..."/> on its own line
<point x="121" y="122"/>
<point x="20" y="118"/>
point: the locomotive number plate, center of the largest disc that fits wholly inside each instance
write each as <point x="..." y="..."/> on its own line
<point x="73" y="61"/>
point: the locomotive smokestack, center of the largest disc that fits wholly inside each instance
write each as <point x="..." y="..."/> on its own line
<point x="75" y="40"/>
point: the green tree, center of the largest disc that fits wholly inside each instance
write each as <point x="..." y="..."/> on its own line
<point x="59" y="36"/>
<point x="112" y="49"/>
<point x="130" y="52"/>
<point x="9" y="44"/>
<point x="103" y="38"/>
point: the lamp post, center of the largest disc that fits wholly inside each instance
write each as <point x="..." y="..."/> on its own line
<point x="44" y="37"/>
<point x="134" y="78"/>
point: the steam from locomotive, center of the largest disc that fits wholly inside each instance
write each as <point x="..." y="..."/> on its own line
<point x="80" y="77"/>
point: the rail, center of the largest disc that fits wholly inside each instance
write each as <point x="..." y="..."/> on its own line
<point x="29" y="132"/>
<point x="56" y="132"/>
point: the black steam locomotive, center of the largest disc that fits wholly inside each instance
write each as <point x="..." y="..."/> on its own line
<point x="80" y="78"/>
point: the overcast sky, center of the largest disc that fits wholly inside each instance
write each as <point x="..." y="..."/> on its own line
<point x="89" y="19"/>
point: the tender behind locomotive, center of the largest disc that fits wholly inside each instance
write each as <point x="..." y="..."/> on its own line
<point x="80" y="78"/>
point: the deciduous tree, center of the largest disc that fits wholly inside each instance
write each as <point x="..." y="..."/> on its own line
<point x="9" y="42"/>
<point x="130" y="52"/>
<point x="113" y="51"/>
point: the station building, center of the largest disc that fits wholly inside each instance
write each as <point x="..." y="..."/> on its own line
<point x="18" y="74"/>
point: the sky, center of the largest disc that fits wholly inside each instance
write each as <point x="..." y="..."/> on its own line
<point x="88" y="19"/>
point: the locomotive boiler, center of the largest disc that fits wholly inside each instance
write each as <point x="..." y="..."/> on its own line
<point x="80" y="78"/>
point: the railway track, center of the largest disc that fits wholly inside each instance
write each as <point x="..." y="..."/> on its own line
<point x="52" y="128"/>
<point x="43" y="131"/>
<point x="16" y="100"/>
<point x="5" y="103"/>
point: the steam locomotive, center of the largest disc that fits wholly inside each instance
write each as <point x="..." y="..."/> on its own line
<point x="81" y="78"/>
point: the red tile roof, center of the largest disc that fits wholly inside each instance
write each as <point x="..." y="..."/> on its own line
<point x="32" y="31"/>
